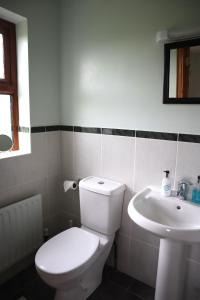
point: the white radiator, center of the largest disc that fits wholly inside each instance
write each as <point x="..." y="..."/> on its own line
<point x="20" y="230"/>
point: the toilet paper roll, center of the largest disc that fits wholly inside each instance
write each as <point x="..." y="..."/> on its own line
<point x="69" y="185"/>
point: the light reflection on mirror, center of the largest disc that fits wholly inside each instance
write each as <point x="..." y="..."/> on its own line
<point x="184" y="72"/>
<point x="5" y="143"/>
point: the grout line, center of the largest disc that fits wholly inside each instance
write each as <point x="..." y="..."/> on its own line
<point x="176" y="162"/>
<point x="192" y="260"/>
<point x="129" y="255"/>
<point x="101" y="153"/>
<point x="46" y="145"/>
<point x="74" y="175"/>
<point x="73" y="155"/>
<point x="145" y="243"/>
<point x="134" y="162"/>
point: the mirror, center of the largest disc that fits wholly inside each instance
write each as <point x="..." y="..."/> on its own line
<point x="5" y="142"/>
<point x="182" y="72"/>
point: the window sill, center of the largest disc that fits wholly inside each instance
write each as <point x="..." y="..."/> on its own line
<point x="24" y="144"/>
<point x="8" y="154"/>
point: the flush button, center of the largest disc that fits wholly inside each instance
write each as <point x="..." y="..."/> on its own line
<point x="100" y="182"/>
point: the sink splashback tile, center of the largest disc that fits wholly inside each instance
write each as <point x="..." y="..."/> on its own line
<point x="152" y="158"/>
<point x="188" y="162"/>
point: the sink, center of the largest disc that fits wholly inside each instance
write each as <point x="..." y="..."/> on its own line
<point x="177" y="223"/>
<point x="167" y="217"/>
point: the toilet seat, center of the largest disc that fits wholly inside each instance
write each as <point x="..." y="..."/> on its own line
<point x="67" y="252"/>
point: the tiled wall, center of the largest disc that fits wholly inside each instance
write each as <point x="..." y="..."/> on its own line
<point x="38" y="172"/>
<point x="136" y="159"/>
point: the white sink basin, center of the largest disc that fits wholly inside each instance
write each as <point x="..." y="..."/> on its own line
<point x="177" y="223"/>
<point x="167" y="217"/>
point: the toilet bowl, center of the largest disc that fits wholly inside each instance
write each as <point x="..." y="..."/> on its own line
<point x="80" y="274"/>
<point x="73" y="261"/>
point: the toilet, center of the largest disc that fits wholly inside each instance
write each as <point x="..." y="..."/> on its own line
<point x="73" y="261"/>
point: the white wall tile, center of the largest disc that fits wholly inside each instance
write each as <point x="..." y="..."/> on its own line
<point x="118" y="164"/>
<point x="192" y="284"/>
<point x="9" y="195"/>
<point x="66" y="217"/>
<point x="67" y="154"/>
<point x="53" y="153"/>
<point x="152" y="158"/>
<point x="126" y="222"/>
<point x="71" y="203"/>
<point x="54" y="224"/>
<point x="31" y="188"/>
<point x="10" y="172"/>
<point x="55" y="203"/>
<point x="84" y="154"/>
<point x="38" y="172"/>
<point x="35" y="165"/>
<point x="118" y="158"/>
<point x="87" y="157"/>
<point x="138" y="233"/>
<point x="194" y="252"/>
<point x="123" y="263"/>
<point x="143" y="262"/>
<point x="188" y="162"/>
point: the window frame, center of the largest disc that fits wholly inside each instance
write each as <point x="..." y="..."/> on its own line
<point x="8" y="85"/>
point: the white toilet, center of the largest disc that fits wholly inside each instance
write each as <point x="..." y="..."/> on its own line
<point x="73" y="261"/>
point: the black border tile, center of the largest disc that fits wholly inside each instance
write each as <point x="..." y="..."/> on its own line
<point x="52" y="128"/>
<point x="189" y="138"/>
<point x="66" y="128"/>
<point x="120" y="132"/>
<point x="37" y="129"/>
<point x="87" y="129"/>
<point x="157" y="135"/>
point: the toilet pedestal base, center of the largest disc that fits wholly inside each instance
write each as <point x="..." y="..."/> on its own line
<point x="78" y="293"/>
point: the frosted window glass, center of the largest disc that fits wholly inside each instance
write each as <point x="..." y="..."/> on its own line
<point x="2" y="74"/>
<point x="5" y="115"/>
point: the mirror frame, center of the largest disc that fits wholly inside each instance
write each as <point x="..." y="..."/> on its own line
<point x="167" y="48"/>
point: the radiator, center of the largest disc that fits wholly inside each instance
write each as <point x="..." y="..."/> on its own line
<point x="20" y="230"/>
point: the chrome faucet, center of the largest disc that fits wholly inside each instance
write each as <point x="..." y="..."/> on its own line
<point x="183" y="187"/>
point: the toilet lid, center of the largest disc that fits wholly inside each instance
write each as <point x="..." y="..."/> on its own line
<point x="67" y="251"/>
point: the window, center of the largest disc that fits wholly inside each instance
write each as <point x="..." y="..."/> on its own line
<point x="8" y="82"/>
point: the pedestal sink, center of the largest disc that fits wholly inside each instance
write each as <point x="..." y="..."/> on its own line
<point x="177" y="223"/>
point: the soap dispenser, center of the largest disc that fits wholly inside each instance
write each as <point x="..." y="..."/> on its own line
<point x="166" y="185"/>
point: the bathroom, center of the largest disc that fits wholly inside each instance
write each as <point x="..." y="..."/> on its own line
<point x="94" y="66"/>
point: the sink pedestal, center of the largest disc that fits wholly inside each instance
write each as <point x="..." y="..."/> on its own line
<point x="171" y="270"/>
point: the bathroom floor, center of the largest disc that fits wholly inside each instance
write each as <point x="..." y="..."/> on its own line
<point x="115" y="286"/>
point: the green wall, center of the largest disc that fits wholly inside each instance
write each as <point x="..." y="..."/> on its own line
<point x="112" y="68"/>
<point x="104" y="68"/>
<point x="43" y="29"/>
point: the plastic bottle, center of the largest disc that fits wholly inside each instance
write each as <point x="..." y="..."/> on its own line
<point x="196" y="192"/>
<point x="166" y="185"/>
